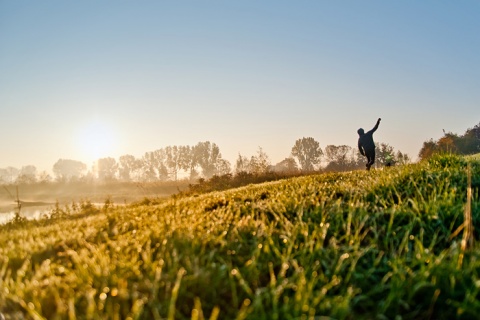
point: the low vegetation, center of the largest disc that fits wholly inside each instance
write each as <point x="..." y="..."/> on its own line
<point x="384" y="244"/>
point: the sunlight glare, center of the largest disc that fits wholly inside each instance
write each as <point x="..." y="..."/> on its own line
<point x="97" y="140"/>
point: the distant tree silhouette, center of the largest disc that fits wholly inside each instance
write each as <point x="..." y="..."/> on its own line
<point x="106" y="169"/>
<point x="173" y="160"/>
<point x="242" y="164"/>
<point x="208" y="157"/>
<point x="339" y="158"/>
<point x="287" y="165"/>
<point x="28" y="175"/>
<point x="8" y="175"/>
<point x="308" y="153"/>
<point x="223" y="168"/>
<point x="257" y="164"/>
<point x="188" y="161"/>
<point x="66" y="169"/>
<point x="127" y="165"/>
<point x="402" y="158"/>
<point x="260" y="163"/>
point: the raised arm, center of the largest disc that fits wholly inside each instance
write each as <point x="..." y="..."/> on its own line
<point x="376" y="126"/>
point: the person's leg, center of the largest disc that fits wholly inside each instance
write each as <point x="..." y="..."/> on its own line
<point x="370" y="158"/>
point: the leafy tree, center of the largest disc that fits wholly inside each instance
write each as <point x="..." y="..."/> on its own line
<point x="260" y="163"/>
<point x="287" y="165"/>
<point x="384" y="154"/>
<point x="223" y="168"/>
<point x="44" y="177"/>
<point x="154" y="165"/>
<point x="188" y="161"/>
<point x="127" y="165"/>
<point x="28" y="174"/>
<point x="148" y="166"/>
<point x="449" y="143"/>
<point x="208" y="156"/>
<point x="66" y="169"/>
<point x="107" y="169"/>
<point x="428" y="149"/>
<point x="402" y="158"/>
<point x="468" y="143"/>
<point x="8" y="175"/>
<point x="173" y="161"/>
<point x="308" y="153"/>
<point x="242" y="164"/>
<point x="338" y="158"/>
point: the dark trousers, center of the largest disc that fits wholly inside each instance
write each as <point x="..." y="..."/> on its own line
<point x="370" y="154"/>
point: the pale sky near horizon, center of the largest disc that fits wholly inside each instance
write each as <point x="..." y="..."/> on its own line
<point x="86" y="79"/>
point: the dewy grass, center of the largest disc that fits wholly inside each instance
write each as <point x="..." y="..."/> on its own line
<point x="356" y="245"/>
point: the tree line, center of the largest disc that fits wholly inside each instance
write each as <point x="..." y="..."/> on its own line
<point x="468" y="143"/>
<point x="203" y="161"/>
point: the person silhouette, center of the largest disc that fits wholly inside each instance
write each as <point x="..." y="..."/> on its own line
<point x="366" y="144"/>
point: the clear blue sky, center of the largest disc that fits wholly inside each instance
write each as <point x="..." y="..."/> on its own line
<point x="127" y="77"/>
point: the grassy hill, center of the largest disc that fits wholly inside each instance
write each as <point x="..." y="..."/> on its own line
<point x="383" y="244"/>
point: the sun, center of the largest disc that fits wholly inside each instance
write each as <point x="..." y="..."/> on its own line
<point x="96" y="140"/>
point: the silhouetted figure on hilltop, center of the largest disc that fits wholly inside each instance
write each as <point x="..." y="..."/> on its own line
<point x="366" y="144"/>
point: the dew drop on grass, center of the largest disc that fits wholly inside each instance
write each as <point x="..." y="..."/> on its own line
<point x="103" y="296"/>
<point x="259" y="246"/>
<point x="344" y="256"/>
<point x="234" y="272"/>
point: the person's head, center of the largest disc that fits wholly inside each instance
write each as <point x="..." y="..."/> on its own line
<point x="360" y="132"/>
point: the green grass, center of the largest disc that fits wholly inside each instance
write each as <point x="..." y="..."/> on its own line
<point x="355" y="245"/>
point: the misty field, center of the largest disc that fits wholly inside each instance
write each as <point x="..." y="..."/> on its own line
<point x="384" y="244"/>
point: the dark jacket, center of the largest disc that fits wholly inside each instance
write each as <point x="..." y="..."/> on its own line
<point x="365" y="140"/>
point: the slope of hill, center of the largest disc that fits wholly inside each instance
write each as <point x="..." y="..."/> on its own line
<point x="356" y="245"/>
